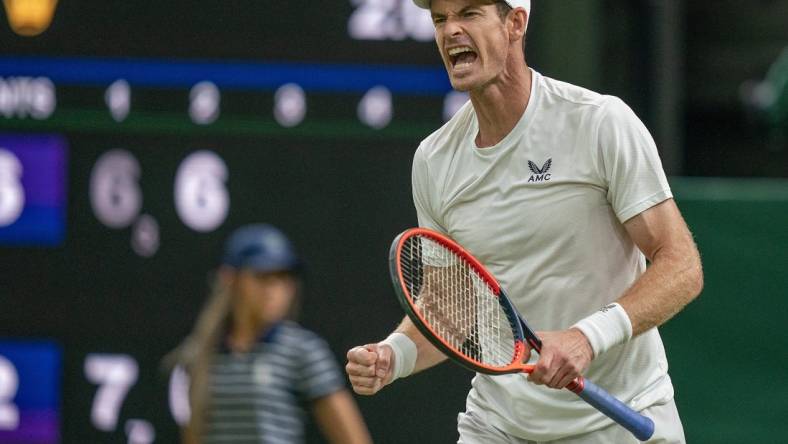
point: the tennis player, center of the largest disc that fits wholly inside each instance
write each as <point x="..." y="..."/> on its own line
<point x="254" y="373"/>
<point x="560" y="192"/>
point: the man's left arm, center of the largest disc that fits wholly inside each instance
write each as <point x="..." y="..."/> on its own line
<point x="674" y="278"/>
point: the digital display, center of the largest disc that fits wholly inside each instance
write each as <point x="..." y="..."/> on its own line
<point x="135" y="137"/>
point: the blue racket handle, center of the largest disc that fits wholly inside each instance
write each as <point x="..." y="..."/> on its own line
<point x="640" y="426"/>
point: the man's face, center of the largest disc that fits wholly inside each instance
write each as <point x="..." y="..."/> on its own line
<point x="472" y="39"/>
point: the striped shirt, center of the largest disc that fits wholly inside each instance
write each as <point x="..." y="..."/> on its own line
<point x="260" y="396"/>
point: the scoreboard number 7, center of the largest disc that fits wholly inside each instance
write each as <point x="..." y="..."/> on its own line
<point x="114" y="375"/>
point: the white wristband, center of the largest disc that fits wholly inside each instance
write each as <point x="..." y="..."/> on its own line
<point x="606" y="328"/>
<point x="404" y="353"/>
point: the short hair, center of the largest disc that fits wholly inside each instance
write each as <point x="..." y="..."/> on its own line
<point x="503" y="9"/>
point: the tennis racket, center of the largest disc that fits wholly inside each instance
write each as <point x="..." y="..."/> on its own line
<point x="463" y="311"/>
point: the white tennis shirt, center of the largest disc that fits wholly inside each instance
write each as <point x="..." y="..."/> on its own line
<point x="543" y="210"/>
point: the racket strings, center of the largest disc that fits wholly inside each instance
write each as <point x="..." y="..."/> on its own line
<point x="456" y="303"/>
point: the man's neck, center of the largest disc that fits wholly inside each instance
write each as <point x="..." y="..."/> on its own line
<point x="500" y="105"/>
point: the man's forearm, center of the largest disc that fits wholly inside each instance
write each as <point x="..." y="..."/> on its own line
<point x="673" y="280"/>
<point x="427" y="355"/>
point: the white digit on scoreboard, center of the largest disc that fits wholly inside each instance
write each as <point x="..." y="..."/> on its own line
<point x="204" y="100"/>
<point x="9" y="385"/>
<point x="289" y="105"/>
<point x="179" y="396"/>
<point x="114" y="375"/>
<point x="201" y="198"/>
<point x="452" y="103"/>
<point x="12" y="194"/>
<point x="145" y="236"/>
<point x="118" y="99"/>
<point x="140" y="431"/>
<point x="115" y="193"/>
<point x="375" y="108"/>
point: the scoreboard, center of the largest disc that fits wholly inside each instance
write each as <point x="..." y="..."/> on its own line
<point x="134" y="136"/>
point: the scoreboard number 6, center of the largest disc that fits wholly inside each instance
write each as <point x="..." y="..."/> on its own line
<point x="201" y="198"/>
<point x="115" y="193"/>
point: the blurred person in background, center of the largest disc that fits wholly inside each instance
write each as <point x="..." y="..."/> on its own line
<point x="254" y="372"/>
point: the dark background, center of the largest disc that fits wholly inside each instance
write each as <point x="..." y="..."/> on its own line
<point x="342" y="196"/>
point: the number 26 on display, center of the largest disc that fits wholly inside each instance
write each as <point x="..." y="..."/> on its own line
<point x="389" y="20"/>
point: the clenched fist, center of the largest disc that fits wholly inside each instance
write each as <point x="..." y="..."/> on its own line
<point x="369" y="367"/>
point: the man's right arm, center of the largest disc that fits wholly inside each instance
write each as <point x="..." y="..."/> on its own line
<point x="370" y="367"/>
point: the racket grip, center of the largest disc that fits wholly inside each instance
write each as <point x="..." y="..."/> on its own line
<point x="640" y="426"/>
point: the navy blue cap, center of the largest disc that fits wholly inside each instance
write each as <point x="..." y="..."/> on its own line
<point x="260" y="247"/>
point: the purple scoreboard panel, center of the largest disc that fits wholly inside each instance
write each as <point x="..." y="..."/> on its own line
<point x="33" y="175"/>
<point x="29" y="392"/>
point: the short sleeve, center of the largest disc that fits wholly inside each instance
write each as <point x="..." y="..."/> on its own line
<point x="423" y="192"/>
<point x="320" y="374"/>
<point x="629" y="161"/>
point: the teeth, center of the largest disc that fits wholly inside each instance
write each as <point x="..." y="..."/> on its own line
<point x="461" y="49"/>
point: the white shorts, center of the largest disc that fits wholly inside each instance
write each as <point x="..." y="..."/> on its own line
<point x="474" y="429"/>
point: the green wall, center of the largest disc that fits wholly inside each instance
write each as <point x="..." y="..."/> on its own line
<point x="565" y="42"/>
<point x="728" y="350"/>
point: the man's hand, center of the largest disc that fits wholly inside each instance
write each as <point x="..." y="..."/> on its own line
<point x="564" y="357"/>
<point x="369" y="368"/>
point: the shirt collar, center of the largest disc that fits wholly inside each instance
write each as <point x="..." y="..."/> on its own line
<point x="267" y="337"/>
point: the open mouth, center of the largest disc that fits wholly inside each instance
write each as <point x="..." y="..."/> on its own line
<point x="462" y="56"/>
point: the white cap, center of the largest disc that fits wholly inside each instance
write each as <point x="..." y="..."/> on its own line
<point x="513" y="3"/>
